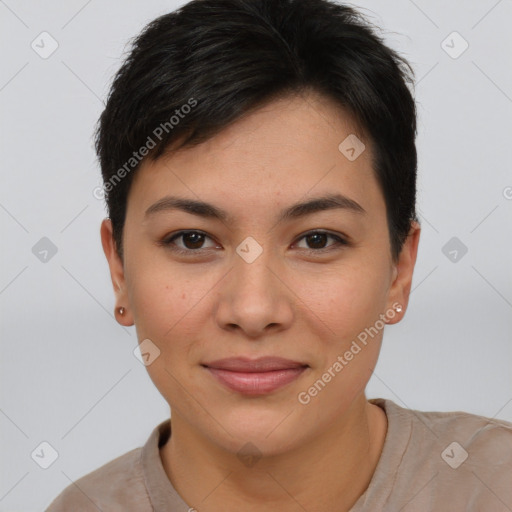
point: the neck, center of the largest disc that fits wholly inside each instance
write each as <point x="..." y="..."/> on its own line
<point x="328" y="472"/>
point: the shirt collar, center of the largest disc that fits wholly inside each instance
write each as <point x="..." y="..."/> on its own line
<point x="162" y="494"/>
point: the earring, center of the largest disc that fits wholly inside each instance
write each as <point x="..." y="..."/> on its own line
<point x="121" y="310"/>
<point x="398" y="308"/>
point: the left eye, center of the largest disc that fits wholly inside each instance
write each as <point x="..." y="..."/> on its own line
<point x="317" y="240"/>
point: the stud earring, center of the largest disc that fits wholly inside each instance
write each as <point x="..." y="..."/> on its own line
<point x="121" y="310"/>
<point x="398" y="308"/>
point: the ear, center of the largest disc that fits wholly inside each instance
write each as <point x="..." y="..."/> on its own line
<point x="402" y="274"/>
<point x="116" y="273"/>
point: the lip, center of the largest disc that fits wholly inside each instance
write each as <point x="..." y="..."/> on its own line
<point x="261" y="364"/>
<point x="255" y="376"/>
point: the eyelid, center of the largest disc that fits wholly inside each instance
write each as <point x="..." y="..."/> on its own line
<point x="168" y="241"/>
<point x="340" y="239"/>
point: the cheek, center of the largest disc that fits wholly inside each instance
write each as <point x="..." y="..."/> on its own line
<point x="171" y="306"/>
<point x="348" y="350"/>
<point x="166" y="309"/>
<point x="346" y="299"/>
<point x="158" y="300"/>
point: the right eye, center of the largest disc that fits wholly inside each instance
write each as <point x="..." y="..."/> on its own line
<point x="191" y="242"/>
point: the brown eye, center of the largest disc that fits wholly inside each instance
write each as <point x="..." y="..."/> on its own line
<point x="318" y="240"/>
<point x="191" y="241"/>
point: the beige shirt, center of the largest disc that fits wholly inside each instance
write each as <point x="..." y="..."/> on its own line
<point x="430" y="461"/>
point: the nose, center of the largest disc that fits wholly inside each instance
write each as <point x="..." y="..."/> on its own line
<point x="254" y="300"/>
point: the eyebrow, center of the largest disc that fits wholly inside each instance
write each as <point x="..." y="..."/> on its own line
<point x="207" y="210"/>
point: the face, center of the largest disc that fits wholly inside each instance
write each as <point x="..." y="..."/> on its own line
<point x="251" y="281"/>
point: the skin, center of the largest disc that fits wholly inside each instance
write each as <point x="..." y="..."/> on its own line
<point x="290" y="302"/>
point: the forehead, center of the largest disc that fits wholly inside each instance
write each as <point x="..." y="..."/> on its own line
<point x="283" y="151"/>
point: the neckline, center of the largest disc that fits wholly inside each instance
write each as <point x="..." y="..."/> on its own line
<point x="162" y="493"/>
<point x="397" y="438"/>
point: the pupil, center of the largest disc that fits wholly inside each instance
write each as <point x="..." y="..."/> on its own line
<point x="196" y="244"/>
<point x="316" y="236"/>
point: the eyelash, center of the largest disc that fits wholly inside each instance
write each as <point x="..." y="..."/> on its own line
<point x="169" y="242"/>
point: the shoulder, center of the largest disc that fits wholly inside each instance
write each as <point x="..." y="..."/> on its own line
<point x="460" y="458"/>
<point x="117" y="485"/>
<point x="485" y="439"/>
<point x="480" y="433"/>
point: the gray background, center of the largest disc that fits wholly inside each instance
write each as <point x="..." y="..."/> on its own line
<point x="68" y="373"/>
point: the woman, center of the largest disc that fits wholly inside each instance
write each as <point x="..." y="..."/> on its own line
<point x="259" y="166"/>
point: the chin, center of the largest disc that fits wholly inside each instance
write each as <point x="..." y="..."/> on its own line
<point x="266" y="431"/>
